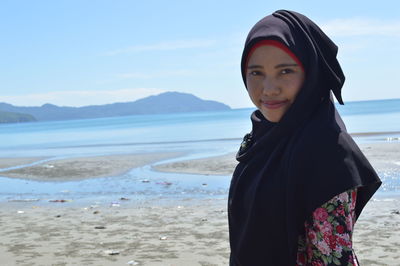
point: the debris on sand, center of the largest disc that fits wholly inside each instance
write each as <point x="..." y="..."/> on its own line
<point x="59" y="200"/>
<point x="23" y="200"/>
<point x="165" y="183"/>
<point x="100" y="227"/>
<point x="111" y="252"/>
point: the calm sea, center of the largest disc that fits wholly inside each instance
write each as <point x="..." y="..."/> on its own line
<point x="196" y="134"/>
<point x="213" y="132"/>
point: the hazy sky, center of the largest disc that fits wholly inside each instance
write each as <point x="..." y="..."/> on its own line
<point x="85" y="52"/>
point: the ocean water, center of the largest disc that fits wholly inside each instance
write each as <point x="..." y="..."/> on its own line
<point x="195" y="134"/>
<point x="187" y="131"/>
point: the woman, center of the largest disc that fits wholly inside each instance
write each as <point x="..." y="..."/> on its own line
<point x="301" y="181"/>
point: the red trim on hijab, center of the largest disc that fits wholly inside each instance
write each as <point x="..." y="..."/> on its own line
<point x="276" y="44"/>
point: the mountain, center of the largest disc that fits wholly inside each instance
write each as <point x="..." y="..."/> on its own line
<point x="10" y="117"/>
<point x="168" y="102"/>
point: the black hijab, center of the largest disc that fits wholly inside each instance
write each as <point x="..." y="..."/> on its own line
<point x="288" y="169"/>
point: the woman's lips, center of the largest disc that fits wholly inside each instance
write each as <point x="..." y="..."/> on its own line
<point x="274" y="104"/>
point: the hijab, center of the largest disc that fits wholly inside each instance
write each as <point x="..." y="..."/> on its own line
<point x="288" y="169"/>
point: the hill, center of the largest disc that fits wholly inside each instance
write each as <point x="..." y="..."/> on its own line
<point x="11" y="117"/>
<point x="169" y="102"/>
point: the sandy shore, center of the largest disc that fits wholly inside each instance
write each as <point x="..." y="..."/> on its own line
<point x="167" y="232"/>
<point x="376" y="238"/>
<point x="191" y="233"/>
<point x="10" y="162"/>
<point x="384" y="155"/>
<point x="221" y="165"/>
<point x="181" y="233"/>
<point x="80" y="168"/>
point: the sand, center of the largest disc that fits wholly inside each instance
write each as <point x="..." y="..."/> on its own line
<point x="192" y="233"/>
<point x="81" y="168"/>
<point x="221" y="165"/>
<point x="376" y="238"/>
<point x="160" y="232"/>
<point x="185" y="233"/>
<point x="384" y="155"/>
<point x="10" y="162"/>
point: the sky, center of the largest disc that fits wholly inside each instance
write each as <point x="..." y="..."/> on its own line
<point x="83" y="52"/>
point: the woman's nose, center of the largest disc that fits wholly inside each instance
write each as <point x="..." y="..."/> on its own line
<point x="270" y="87"/>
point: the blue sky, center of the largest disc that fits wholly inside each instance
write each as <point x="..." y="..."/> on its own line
<point x="76" y="53"/>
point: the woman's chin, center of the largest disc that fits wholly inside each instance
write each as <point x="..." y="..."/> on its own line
<point x="273" y="117"/>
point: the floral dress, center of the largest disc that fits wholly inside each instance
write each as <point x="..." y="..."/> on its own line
<point x="327" y="237"/>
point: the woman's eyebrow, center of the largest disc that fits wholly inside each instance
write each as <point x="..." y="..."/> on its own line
<point x="287" y="65"/>
<point x="254" y="66"/>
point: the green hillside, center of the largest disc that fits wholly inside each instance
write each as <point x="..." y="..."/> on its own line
<point x="9" y="117"/>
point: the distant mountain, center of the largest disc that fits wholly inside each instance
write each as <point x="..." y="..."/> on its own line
<point x="168" y="102"/>
<point x="10" y="117"/>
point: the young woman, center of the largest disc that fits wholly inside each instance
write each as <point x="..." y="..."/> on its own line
<point x="301" y="181"/>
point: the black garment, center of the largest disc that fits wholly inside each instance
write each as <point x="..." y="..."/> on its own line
<point x="288" y="169"/>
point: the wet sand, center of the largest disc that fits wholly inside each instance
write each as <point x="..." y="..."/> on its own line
<point x="385" y="155"/>
<point x="10" y="162"/>
<point x="382" y="156"/>
<point x="221" y="165"/>
<point x="160" y="232"/>
<point x="80" y="168"/>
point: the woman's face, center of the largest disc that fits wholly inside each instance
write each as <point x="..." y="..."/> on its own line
<point x="273" y="80"/>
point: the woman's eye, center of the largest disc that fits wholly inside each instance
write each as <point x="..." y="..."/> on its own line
<point x="286" y="71"/>
<point x="255" y="73"/>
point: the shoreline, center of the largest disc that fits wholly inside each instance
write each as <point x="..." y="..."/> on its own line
<point x="79" y="168"/>
<point x="215" y="165"/>
<point x="158" y="230"/>
<point x="15" y="161"/>
<point x="376" y="133"/>
<point x="382" y="155"/>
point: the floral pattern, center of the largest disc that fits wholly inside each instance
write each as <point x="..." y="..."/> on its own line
<point x="327" y="237"/>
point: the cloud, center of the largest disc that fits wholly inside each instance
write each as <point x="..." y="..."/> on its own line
<point x="164" y="46"/>
<point x="362" y="27"/>
<point x="81" y="98"/>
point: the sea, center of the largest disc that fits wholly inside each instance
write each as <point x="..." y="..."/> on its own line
<point x="193" y="135"/>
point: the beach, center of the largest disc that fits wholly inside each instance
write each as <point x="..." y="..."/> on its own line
<point x="192" y="233"/>
<point x="383" y="156"/>
<point x="161" y="229"/>
<point x="80" y="167"/>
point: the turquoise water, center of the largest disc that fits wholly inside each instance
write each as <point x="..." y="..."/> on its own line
<point x="124" y="134"/>
<point x="188" y="131"/>
<point x="196" y="134"/>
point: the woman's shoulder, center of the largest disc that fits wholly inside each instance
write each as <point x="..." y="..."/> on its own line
<point x="325" y="138"/>
<point x="317" y="144"/>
